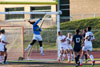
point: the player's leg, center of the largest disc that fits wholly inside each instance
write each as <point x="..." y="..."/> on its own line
<point x="1" y="56"/>
<point x="64" y="54"/>
<point x="61" y="54"/>
<point x="68" y="55"/>
<point x="79" y="52"/>
<point x="41" y="48"/>
<point x="82" y="57"/>
<point x="91" y="57"/>
<point x="71" y="52"/>
<point x="86" y="57"/>
<point x="75" y="55"/>
<point x="5" y="55"/>
<point x="39" y="39"/>
<point x="30" y="45"/>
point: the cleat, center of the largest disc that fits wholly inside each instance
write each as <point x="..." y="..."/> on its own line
<point x="42" y="54"/>
<point x="93" y="63"/>
<point x="80" y="64"/>
<point x="69" y="61"/>
<point x="76" y="65"/>
<point x="59" y="60"/>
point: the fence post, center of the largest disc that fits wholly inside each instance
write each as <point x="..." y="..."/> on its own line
<point x="94" y="15"/>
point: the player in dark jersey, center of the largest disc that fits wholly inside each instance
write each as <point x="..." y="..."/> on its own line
<point x="77" y="38"/>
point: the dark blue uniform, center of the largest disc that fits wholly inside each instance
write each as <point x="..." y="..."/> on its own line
<point x="77" y="43"/>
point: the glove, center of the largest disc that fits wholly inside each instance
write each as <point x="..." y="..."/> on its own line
<point x="37" y="29"/>
<point x="40" y="18"/>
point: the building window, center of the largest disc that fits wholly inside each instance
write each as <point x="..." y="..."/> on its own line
<point x="39" y="9"/>
<point x="65" y="8"/>
<point x="14" y="16"/>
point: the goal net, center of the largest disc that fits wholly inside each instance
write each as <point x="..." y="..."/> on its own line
<point x="48" y="25"/>
<point x="14" y="36"/>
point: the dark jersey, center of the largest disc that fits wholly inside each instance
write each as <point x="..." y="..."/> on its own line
<point x="77" y="39"/>
<point x="77" y="42"/>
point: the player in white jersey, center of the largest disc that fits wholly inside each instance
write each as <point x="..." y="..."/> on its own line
<point x="69" y="49"/>
<point x="89" y="37"/>
<point x="62" y="41"/>
<point x="3" y="43"/>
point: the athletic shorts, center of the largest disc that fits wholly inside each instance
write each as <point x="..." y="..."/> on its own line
<point x="87" y="48"/>
<point x="68" y="47"/>
<point x="1" y="47"/>
<point x="63" y="47"/>
<point x="37" y="37"/>
<point x="5" y="49"/>
<point x="77" y="49"/>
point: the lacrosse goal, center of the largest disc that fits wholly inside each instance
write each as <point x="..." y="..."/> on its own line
<point x="15" y="38"/>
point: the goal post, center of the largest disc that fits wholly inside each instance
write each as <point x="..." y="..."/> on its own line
<point x="15" y="38"/>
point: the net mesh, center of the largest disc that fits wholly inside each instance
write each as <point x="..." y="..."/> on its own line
<point x="14" y="36"/>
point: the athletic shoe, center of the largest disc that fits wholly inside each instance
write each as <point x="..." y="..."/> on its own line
<point x="42" y="54"/>
<point x="80" y="64"/>
<point x="6" y="63"/>
<point x="76" y="65"/>
<point x="69" y="61"/>
<point x="93" y="63"/>
<point x="59" y="60"/>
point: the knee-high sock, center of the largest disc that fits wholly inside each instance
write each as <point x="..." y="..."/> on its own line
<point x="91" y="57"/>
<point x="5" y="58"/>
<point x="0" y="59"/>
<point x="77" y="58"/>
<point x="85" y="56"/>
<point x="72" y="56"/>
<point x="68" y="55"/>
<point x="63" y="56"/>
<point x="41" y="48"/>
<point x="81" y="60"/>
<point x="29" y="46"/>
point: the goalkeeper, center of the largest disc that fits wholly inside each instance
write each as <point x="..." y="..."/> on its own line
<point x="37" y="35"/>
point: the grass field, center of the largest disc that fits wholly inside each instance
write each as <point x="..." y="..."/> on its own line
<point x="43" y="64"/>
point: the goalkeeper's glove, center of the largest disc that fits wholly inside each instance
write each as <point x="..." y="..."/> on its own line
<point x="37" y="29"/>
<point x="40" y="18"/>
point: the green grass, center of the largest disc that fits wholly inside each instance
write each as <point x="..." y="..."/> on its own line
<point x="47" y="64"/>
<point x="40" y="3"/>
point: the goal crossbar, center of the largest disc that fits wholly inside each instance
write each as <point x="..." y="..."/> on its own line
<point x="59" y="12"/>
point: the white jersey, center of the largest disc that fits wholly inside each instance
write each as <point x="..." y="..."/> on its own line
<point x="61" y="38"/>
<point x="68" y="44"/>
<point x="3" y="38"/>
<point x="88" y="41"/>
<point x="68" y="40"/>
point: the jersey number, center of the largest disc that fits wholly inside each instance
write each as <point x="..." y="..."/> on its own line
<point x="77" y="40"/>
